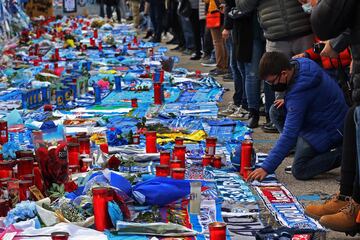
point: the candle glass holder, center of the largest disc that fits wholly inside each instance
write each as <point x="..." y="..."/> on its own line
<point x="25" y="166"/>
<point x="136" y="139"/>
<point x="101" y="197"/>
<point x="24" y="192"/>
<point x="60" y="236"/>
<point x="179" y="141"/>
<point x="73" y="153"/>
<point x="195" y="197"/>
<point x="217" y="161"/>
<point x="165" y="157"/>
<point x="6" y="169"/>
<point x="217" y="231"/>
<point x="84" y="147"/>
<point x="211" y="145"/>
<point x="178" y="173"/>
<point x="151" y="142"/>
<point x="134" y="103"/>
<point x="175" y="164"/>
<point x="246" y="150"/>
<point x="162" y="170"/>
<point x="207" y="160"/>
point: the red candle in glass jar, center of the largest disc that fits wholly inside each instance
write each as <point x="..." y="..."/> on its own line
<point x="136" y="139"/>
<point x="96" y="33"/>
<point x="246" y="149"/>
<point x="175" y="164"/>
<point x="134" y="103"/>
<point x="25" y="166"/>
<point x="217" y="161"/>
<point x="48" y="108"/>
<point x="179" y="141"/>
<point x="6" y="169"/>
<point x="28" y="177"/>
<point x="104" y="147"/>
<point x="158" y="93"/>
<point x="24" y="192"/>
<point x="81" y="134"/>
<point x="178" y="173"/>
<point x="162" y="170"/>
<point x="179" y="153"/>
<point x="217" y="231"/>
<point x="24" y="153"/>
<point x="100" y="46"/>
<point x="211" y="145"/>
<point x="3" y="132"/>
<point x="73" y="153"/>
<point x="207" y="160"/>
<point x="84" y="147"/>
<point x="60" y="236"/>
<point x="101" y="197"/>
<point x="198" y="73"/>
<point x="151" y="142"/>
<point x="165" y="157"/>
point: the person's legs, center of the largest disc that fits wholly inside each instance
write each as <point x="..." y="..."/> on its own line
<point x="195" y="24"/>
<point x="208" y="42"/>
<point x="308" y="163"/>
<point x="188" y="33"/>
<point x="102" y="14"/>
<point x="135" y="9"/>
<point x="356" y="188"/>
<point x="108" y="11"/>
<point x="277" y="116"/>
<point x="117" y="10"/>
<point x="159" y="12"/>
<point x="220" y="50"/>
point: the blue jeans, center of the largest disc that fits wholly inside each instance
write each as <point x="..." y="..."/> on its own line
<point x="357" y="124"/>
<point x="252" y="82"/>
<point x="237" y="71"/>
<point x="308" y="163"/>
<point x="188" y="33"/>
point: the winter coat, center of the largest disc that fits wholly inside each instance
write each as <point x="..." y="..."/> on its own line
<point x="315" y="110"/>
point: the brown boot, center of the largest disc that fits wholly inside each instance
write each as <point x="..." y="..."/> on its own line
<point x="331" y="206"/>
<point x="344" y="220"/>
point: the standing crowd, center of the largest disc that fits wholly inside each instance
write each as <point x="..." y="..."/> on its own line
<point x="301" y="58"/>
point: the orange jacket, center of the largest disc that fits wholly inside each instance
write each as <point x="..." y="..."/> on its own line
<point x="329" y="63"/>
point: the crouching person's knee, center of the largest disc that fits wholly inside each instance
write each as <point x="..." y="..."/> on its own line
<point x="300" y="173"/>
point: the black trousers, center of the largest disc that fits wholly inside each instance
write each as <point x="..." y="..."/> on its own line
<point x="195" y="24"/>
<point x="109" y="9"/>
<point x="349" y="184"/>
<point x="157" y="13"/>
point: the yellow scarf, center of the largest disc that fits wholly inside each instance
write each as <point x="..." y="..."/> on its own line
<point x="212" y="6"/>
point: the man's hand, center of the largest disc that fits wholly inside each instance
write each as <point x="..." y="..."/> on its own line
<point x="225" y="34"/>
<point x="258" y="174"/>
<point x="300" y="55"/>
<point x="328" y="51"/>
<point x="278" y="103"/>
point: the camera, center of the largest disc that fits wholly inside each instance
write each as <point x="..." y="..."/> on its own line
<point x="318" y="47"/>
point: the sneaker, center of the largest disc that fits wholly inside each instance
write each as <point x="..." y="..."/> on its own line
<point x="239" y="114"/>
<point x="195" y="56"/>
<point x="229" y="110"/>
<point x="149" y="33"/>
<point x="206" y="57"/>
<point x="344" y="220"/>
<point x="269" y="128"/>
<point x="218" y="72"/>
<point x="331" y="206"/>
<point x="288" y="169"/>
<point x="209" y="63"/>
<point x="187" y="52"/>
<point x="228" y="78"/>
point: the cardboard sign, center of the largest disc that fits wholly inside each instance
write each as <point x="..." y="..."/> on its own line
<point x="36" y="8"/>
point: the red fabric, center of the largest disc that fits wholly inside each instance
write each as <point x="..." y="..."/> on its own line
<point x="330" y="63"/>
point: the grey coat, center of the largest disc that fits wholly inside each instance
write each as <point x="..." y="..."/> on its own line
<point x="280" y="19"/>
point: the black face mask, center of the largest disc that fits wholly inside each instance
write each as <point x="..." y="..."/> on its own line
<point x="279" y="87"/>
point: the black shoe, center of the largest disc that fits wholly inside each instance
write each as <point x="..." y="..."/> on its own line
<point x="195" y="57"/>
<point x="130" y="18"/>
<point x="187" y="51"/>
<point x="269" y="128"/>
<point x="253" y="118"/>
<point x="148" y="34"/>
<point x="173" y="41"/>
<point x="217" y="72"/>
<point x="228" y="78"/>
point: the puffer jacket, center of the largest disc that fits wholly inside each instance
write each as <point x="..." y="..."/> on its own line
<point x="332" y="17"/>
<point x="280" y="19"/>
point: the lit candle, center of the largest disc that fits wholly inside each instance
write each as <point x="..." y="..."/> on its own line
<point x="178" y="173"/>
<point x="134" y="103"/>
<point x="217" y="161"/>
<point x="211" y="145"/>
<point x="179" y="141"/>
<point x="60" y="236"/>
<point x="84" y="145"/>
<point x="207" y="160"/>
<point x="246" y="149"/>
<point x="101" y="197"/>
<point x="25" y="166"/>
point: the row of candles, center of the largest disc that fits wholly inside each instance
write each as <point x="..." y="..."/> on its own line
<point x="103" y="195"/>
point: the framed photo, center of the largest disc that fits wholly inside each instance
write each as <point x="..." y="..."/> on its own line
<point x="69" y="6"/>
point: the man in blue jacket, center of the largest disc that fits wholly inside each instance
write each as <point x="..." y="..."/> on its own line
<point x="315" y="109"/>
